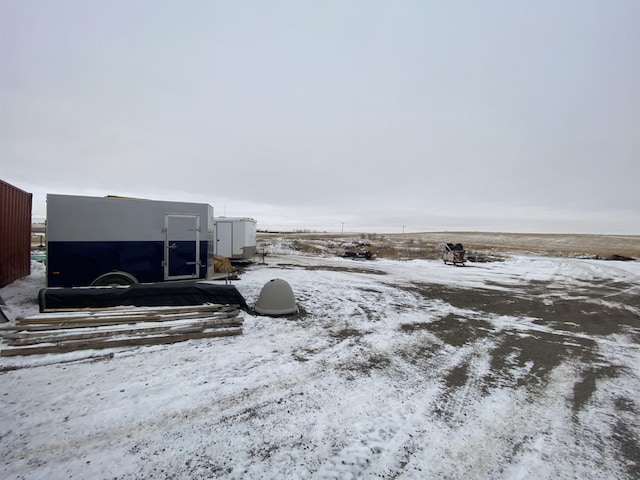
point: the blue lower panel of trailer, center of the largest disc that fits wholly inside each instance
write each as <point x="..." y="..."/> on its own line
<point x="182" y="257"/>
<point x="72" y="264"/>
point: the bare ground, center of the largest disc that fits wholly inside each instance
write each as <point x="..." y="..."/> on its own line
<point x="553" y="353"/>
<point x="572" y="321"/>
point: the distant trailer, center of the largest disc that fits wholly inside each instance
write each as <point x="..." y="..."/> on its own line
<point x="235" y="237"/>
<point x="454" y="253"/>
<point x="94" y="241"/>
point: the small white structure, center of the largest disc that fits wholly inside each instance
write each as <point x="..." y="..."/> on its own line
<point x="276" y="298"/>
<point x="235" y="237"/>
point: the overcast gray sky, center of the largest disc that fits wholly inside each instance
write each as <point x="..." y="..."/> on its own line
<point x="504" y="116"/>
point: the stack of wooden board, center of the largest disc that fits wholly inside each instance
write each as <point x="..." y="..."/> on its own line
<point x="62" y="330"/>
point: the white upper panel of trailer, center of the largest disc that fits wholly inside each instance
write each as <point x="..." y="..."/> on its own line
<point x="73" y="218"/>
<point x="235" y="219"/>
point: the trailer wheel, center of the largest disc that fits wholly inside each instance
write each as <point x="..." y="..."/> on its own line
<point x="114" y="279"/>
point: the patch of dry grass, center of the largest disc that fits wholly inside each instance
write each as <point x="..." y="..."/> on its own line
<point x="428" y="245"/>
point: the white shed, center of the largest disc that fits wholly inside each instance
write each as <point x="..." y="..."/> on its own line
<point x="235" y="237"/>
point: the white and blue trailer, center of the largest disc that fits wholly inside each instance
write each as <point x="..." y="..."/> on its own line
<point x="93" y="241"/>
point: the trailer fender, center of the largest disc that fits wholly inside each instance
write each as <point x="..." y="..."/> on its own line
<point x="114" y="279"/>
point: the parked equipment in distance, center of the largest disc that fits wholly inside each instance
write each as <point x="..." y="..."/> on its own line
<point x="95" y="241"/>
<point x="359" y="255"/>
<point x="453" y="253"/>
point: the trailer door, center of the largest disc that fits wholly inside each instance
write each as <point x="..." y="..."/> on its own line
<point x="224" y="233"/>
<point x="181" y="246"/>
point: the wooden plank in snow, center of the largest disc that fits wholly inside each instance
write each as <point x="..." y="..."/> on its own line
<point x="35" y="322"/>
<point x="28" y="338"/>
<point x="118" y="342"/>
<point x="130" y="311"/>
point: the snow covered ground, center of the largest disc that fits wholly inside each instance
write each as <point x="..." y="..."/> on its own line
<point x="526" y="368"/>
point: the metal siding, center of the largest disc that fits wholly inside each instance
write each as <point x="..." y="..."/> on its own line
<point x="182" y="258"/>
<point x="237" y="240"/>
<point x="236" y="237"/>
<point x="224" y="239"/>
<point x="249" y="233"/>
<point x="249" y="236"/>
<point x="90" y="236"/>
<point x="211" y="243"/>
<point x="73" y="264"/>
<point x="72" y="218"/>
<point x="15" y="233"/>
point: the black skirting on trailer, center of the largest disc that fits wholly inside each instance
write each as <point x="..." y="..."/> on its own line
<point x="141" y="295"/>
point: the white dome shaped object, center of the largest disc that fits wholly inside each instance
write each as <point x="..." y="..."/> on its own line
<point x="276" y="298"/>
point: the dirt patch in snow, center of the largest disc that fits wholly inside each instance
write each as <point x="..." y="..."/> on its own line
<point x="583" y="309"/>
<point x="454" y="329"/>
<point x="526" y="359"/>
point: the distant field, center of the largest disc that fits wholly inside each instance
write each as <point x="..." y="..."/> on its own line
<point x="425" y="245"/>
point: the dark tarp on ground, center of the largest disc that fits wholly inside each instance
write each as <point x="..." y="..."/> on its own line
<point x="142" y="295"/>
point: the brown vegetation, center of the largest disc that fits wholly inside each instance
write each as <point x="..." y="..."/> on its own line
<point x="428" y="245"/>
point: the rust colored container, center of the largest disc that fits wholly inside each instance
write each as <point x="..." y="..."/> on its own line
<point x="15" y="233"/>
